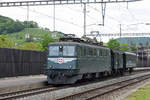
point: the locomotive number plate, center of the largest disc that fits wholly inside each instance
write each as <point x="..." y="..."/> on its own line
<point x="60" y="60"/>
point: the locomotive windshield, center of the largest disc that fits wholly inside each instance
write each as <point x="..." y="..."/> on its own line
<point x="61" y="50"/>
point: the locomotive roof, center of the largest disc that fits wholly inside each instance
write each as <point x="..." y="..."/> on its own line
<point x="123" y="52"/>
<point x="76" y="43"/>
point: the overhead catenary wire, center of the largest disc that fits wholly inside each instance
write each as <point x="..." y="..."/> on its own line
<point x="125" y="9"/>
<point x="93" y="18"/>
<point x="102" y="28"/>
<point x="58" y="19"/>
<point x="52" y="17"/>
<point x="132" y="15"/>
<point x="65" y="21"/>
<point x="97" y="10"/>
<point x="82" y="12"/>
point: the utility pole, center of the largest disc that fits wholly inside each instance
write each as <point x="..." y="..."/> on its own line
<point x="84" y="11"/>
<point x="54" y="18"/>
<point x="103" y="13"/>
<point x="120" y="30"/>
<point x="127" y="5"/>
<point x="28" y="36"/>
<point x="54" y="34"/>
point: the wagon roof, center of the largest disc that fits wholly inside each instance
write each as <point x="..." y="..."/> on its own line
<point x="130" y="53"/>
<point x="117" y="51"/>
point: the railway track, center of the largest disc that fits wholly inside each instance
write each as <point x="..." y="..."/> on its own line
<point x="100" y="91"/>
<point x="24" y="93"/>
<point x="30" y="92"/>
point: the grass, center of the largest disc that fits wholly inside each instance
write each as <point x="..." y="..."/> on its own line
<point x="140" y="94"/>
<point x="19" y="37"/>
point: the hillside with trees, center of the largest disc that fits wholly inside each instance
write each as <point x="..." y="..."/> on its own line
<point x="25" y="35"/>
<point x="8" y="25"/>
<point x="138" y="41"/>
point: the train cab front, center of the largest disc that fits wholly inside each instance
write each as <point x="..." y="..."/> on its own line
<point x="61" y="64"/>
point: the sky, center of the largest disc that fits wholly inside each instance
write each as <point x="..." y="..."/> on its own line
<point x="70" y="19"/>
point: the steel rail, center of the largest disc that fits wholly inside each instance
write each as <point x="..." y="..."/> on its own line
<point x="20" y="91"/>
<point x="129" y="83"/>
<point x="58" y="2"/>
<point x="23" y="93"/>
<point x="97" y="92"/>
<point x="35" y="91"/>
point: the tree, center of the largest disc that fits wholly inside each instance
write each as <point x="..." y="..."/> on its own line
<point x="46" y="39"/>
<point x="18" y="26"/>
<point x="114" y="44"/>
<point x="124" y="47"/>
<point x="133" y="47"/>
<point x="5" y="42"/>
<point x="147" y="44"/>
<point x="8" y="25"/>
<point x="30" y="24"/>
<point x="31" y="46"/>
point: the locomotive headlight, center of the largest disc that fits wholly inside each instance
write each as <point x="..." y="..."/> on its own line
<point x="70" y="66"/>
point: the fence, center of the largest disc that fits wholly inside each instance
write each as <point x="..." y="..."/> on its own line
<point x="14" y="62"/>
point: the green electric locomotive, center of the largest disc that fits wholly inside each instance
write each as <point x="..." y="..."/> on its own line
<point x="68" y="62"/>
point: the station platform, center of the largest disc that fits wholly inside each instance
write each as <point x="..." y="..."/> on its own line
<point x="21" y="83"/>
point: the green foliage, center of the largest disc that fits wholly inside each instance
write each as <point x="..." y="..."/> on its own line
<point x="113" y="44"/>
<point x="5" y="42"/>
<point x="133" y="47"/>
<point x="135" y="40"/>
<point x="29" y="46"/>
<point x="105" y="44"/>
<point x="148" y="57"/>
<point x="16" y="31"/>
<point x="40" y="35"/>
<point x="46" y="39"/>
<point x="30" y="24"/>
<point x="141" y="94"/>
<point x="8" y="25"/>
<point x="124" y="47"/>
<point x="20" y="39"/>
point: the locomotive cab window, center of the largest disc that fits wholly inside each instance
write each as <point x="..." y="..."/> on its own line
<point x="90" y="51"/>
<point x="79" y="52"/>
<point x="53" y="51"/>
<point x="62" y="51"/>
<point x="68" y="50"/>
